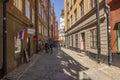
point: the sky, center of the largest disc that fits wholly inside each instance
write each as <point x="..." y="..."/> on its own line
<point x="58" y="6"/>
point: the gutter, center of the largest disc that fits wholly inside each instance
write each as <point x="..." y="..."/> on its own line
<point x="108" y="33"/>
<point x="4" y="66"/>
<point x="98" y="31"/>
<point x="36" y="25"/>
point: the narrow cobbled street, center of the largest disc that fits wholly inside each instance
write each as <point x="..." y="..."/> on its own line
<point x="63" y="64"/>
<point x="56" y="66"/>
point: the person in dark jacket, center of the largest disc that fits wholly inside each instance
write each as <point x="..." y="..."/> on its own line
<point x="51" y="47"/>
<point x="46" y="47"/>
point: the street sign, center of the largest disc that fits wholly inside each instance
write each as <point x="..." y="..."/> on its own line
<point x="31" y="31"/>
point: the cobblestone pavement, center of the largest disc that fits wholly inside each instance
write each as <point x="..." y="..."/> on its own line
<point x="56" y="66"/>
<point x="63" y="64"/>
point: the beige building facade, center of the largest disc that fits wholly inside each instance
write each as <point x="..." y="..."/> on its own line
<point x="81" y="26"/>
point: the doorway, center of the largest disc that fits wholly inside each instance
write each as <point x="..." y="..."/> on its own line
<point x="83" y="44"/>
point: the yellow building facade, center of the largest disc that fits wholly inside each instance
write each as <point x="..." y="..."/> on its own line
<point x="42" y="20"/>
<point x="81" y="26"/>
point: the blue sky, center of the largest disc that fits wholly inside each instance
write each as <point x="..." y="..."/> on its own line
<point x="58" y="6"/>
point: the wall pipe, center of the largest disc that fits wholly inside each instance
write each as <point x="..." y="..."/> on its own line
<point x="98" y="31"/>
<point x="4" y="66"/>
<point x="108" y="33"/>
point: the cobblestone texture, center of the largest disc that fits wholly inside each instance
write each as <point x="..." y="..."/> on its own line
<point x="63" y="64"/>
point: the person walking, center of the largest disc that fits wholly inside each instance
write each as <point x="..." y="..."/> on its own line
<point x="46" y="47"/>
<point x="51" y="47"/>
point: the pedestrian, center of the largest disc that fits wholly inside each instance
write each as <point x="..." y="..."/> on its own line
<point x="51" y="47"/>
<point x="46" y="47"/>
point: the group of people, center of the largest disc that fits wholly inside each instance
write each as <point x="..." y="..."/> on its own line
<point x="48" y="46"/>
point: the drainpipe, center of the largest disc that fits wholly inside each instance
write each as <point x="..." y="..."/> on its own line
<point x="98" y="31"/>
<point x="36" y="24"/>
<point x="108" y="33"/>
<point x="4" y="66"/>
<point x="49" y="20"/>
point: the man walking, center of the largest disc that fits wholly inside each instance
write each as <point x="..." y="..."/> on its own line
<point x="51" y="47"/>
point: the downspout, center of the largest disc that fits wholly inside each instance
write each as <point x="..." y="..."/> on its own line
<point x="36" y="24"/>
<point x="98" y="31"/>
<point x="4" y="66"/>
<point x="108" y="33"/>
<point x="48" y="20"/>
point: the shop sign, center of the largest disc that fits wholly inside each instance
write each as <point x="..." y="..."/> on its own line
<point x="31" y="31"/>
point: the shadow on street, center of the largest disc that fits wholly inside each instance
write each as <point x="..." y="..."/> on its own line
<point x="56" y="66"/>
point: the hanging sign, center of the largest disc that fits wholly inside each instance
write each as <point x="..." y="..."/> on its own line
<point x="31" y="31"/>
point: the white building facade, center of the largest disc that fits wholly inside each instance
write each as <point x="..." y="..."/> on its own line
<point x="62" y="30"/>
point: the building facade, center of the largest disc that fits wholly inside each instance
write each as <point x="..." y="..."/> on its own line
<point x="27" y="23"/>
<point x="20" y="17"/>
<point x="61" y="30"/>
<point x="56" y="30"/>
<point x="81" y="27"/>
<point x="42" y="19"/>
<point x="53" y="23"/>
<point x="115" y="24"/>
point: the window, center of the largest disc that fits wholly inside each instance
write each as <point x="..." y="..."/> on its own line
<point x="75" y="14"/>
<point x="40" y="31"/>
<point x="76" y="40"/>
<point x="27" y="8"/>
<point x="69" y="40"/>
<point x="33" y="16"/>
<point x="71" y="19"/>
<point x="72" y="40"/>
<point x="91" y="4"/>
<point x="40" y="8"/>
<point x="74" y="1"/>
<point x="118" y="35"/>
<point x="93" y="38"/>
<point x="68" y="7"/>
<point x="42" y="13"/>
<point x="17" y="46"/>
<point x="82" y="8"/>
<point x="68" y="24"/>
<point x="70" y="3"/>
<point x="18" y="4"/>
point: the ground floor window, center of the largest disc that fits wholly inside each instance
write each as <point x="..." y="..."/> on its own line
<point x="76" y="40"/>
<point x="17" y="48"/>
<point x="93" y="38"/>
<point x="72" y="40"/>
<point x="118" y="36"/>
<point x="69" y="41"/>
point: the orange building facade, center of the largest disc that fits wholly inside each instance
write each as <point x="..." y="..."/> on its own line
<point x="115" y="25"/>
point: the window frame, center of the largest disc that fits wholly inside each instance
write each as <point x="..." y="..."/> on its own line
<point x="76" y="40"/>
<point x="93" y="38"/>
<point x="91" y="4"/>
<point x="82" y="8"/>
<point x="27" y="8"/>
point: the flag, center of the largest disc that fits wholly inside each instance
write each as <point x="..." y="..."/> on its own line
<point x="17" y="35"/>
<point x="22" y="34"/>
